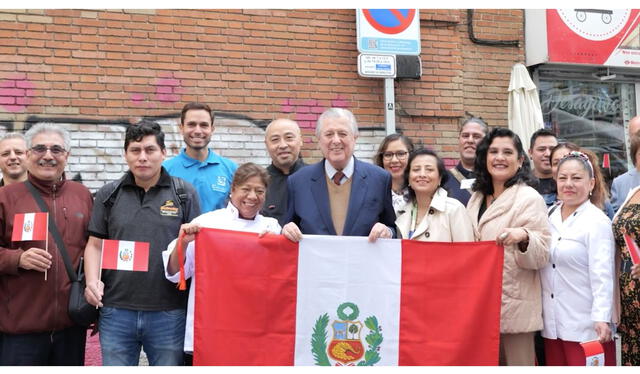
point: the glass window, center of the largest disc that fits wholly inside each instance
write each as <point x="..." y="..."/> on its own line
<point x="592" y="115"/>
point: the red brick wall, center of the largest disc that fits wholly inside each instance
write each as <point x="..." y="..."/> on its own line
<point x="257" y="64"/>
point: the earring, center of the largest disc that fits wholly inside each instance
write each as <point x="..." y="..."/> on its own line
<point x="590" y="193"/>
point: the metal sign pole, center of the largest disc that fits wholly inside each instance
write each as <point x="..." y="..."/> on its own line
<point x="390" y="106"/>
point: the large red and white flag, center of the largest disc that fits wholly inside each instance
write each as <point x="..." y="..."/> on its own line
<point x="332" y="300"/>
<point x="125" y="255"/>
<point x="30" y="226"/>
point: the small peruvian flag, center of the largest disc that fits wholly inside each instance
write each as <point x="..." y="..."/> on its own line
<point x="632" y="247"/>
<point x="593" y="353"/>
<point x="125" y="255"/>
<point x="605" y="161"/>
<point x="30" y="226"/>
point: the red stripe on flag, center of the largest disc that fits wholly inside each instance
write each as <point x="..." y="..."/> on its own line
<point x="141" y="256"/>
<point x="450" y="303"/>
<point x="18" y="223"/>
<point x="40" y="226"/>
<point x="110" y="254"/>
<point x="592" y="348"/>
<point x="246" y="292"/>
<point x="632" y="247"/>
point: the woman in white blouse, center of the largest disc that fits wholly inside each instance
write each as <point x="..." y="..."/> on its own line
<point x="577" y="284"/>
<point x="241" y="214"/>
<point x="430" y="215"/>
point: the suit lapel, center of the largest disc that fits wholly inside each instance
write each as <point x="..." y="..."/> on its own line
<point x="356" y="197"/>
<point x="321" y="196"/>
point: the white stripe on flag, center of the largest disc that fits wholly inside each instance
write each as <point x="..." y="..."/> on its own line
<point x="126" y="252"/>
<point x="371" y="273"/>
<point x="29" y="222"/>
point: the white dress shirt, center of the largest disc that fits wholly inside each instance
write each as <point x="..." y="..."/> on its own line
<point x="577" y="284"/>
<point x="226" y="219"/>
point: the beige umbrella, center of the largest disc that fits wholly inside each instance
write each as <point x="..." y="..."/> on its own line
<point x="525" y="114"/>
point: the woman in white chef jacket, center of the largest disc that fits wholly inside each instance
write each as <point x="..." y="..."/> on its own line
<point x="577" y="284"/>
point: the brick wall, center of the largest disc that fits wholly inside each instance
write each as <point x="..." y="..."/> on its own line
<point x="98" y="71"/>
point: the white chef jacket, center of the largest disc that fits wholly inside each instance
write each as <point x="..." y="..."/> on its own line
<point x="577" y="284"/>
<point x="226" y="219"/>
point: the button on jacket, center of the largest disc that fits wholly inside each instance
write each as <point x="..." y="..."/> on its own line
<point x="577" y="284"/>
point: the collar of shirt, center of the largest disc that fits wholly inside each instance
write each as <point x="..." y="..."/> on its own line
<point x="348" y="170"/>
<point x="296" y="165"/>
<point x="439" y="200"/>
<point x="164" y="180"/>
<point x="236" y="214"/>
<point x="188" y="161"/>
<point x="466" y="173"/>
<point x="556" y="216"/>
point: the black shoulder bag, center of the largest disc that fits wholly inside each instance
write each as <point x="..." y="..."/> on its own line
<point x="80" y="311"/>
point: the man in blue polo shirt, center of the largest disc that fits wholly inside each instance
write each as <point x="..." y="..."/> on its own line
<point x="210" y="173"/>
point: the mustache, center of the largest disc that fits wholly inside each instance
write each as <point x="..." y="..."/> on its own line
<point x="47" y="163"/>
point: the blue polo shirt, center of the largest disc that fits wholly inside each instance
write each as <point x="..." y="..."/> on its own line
<point x="211" y="178"/>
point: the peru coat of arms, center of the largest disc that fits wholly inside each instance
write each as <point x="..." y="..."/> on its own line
<point x="346" y="346"/>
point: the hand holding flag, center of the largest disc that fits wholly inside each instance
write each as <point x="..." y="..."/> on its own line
<point x="33" y="226"/>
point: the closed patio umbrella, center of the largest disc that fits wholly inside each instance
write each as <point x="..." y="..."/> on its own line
<point x="525" y="114"/>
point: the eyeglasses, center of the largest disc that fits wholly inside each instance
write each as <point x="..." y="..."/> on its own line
<point x="400" y="155"/>
<point x="42" y="149"/>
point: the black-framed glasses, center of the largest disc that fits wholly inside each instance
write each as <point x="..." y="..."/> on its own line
<point x="400" y="155"/>
<point x="41" y="149"/>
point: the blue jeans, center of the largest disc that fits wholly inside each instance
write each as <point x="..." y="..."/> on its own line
<point x="123" y="332"/>
<point x="64" y="347"/>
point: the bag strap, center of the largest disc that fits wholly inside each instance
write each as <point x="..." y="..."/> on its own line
<point x="181" y="195"/>
<point x="457" y="174"/>
<point x="54" y="231"/>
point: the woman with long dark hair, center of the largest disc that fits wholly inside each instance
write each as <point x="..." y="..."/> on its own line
<point x="506" y="209"/>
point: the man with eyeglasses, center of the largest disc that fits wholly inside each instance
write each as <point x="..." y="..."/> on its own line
<point x="35" y="328"/>
<point x="472" y="131"/>
<point x="13" y="158"/>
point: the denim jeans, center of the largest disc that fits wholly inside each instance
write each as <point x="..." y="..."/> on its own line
<point x="123" y="332"/>
<point x="64" y="347"/>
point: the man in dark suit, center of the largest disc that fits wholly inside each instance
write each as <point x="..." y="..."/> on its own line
<point x="339" y="195"/>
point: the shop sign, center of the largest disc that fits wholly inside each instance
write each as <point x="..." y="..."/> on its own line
<point x="609" y="37"/>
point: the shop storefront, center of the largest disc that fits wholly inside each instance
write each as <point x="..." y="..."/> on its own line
<point x="586" y="65"/>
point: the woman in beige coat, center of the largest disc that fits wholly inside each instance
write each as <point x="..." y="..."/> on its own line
<point x="503" y="208"/>
<point x="430" y="215"/>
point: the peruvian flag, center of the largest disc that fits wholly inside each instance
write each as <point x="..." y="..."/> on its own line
<point x="30" y="226"/>
<point x="125" y="255"/>
<point x="336" y="300"/>
<point x="593" y="353"/>
<point x="632" y="247"/>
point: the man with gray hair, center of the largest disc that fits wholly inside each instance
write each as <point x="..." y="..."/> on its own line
<point x="339" y="195"/>
<point x="13" y="158"/>
<point x="35" y="328"/>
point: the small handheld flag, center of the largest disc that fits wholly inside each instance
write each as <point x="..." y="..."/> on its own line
<point x="632" y="247"/>
<point x="606" y="164"/>
<point x="593" y="353"/>
<point x="30" y="226"/>
<point x="125" y="255"/>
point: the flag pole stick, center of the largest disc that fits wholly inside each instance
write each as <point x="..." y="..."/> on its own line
<point x="46" y="244"/>
<point x="101" y="257"/>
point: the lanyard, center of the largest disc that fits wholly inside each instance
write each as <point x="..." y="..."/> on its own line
<point x="414" y="218"/>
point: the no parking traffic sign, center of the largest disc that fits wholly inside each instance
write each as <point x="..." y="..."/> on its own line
<point x="392" y="31"/>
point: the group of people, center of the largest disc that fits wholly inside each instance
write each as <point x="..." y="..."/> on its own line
<point x="560" y="267"/>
